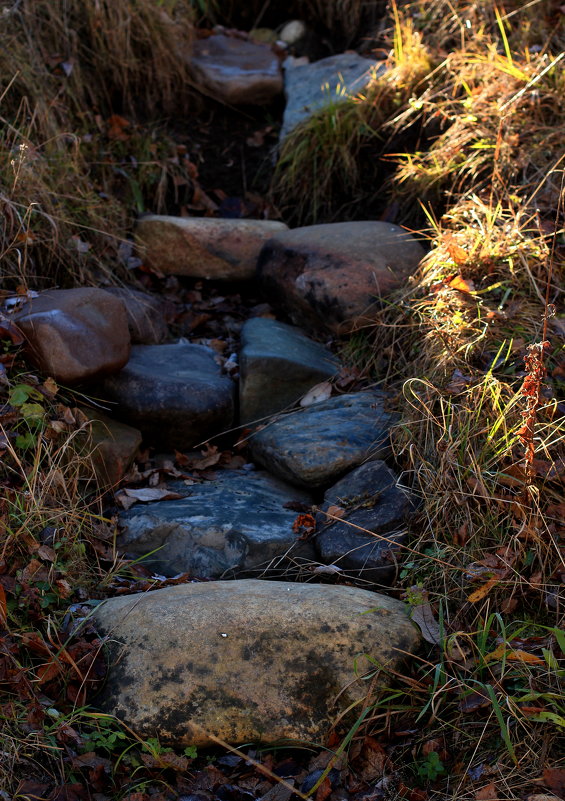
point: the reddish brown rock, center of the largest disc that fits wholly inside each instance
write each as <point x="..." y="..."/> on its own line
<point x="146" y="315"/>
<point x="203" y="247"/>
<point x="76" y="334"/>
<point x="329" y="276"/>
<point x="236" y="71"/>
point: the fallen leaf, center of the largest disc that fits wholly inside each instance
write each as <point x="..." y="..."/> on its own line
<point x="483" y="590"/>
<point x="335" y="511"/>
<point x="554" y="778"/>
<point x="503" y="652"/>
<point x="320" y="392"/>
<point x="487" y="793"/>
<point x="461" y="284"/>
<point x="127" y="497"/>
<point x="9" y="331"/>
<point x="423" y="616"/>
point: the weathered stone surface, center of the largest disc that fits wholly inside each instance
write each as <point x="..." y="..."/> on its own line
<point x="175" y="394"/>
<point x="236" y="71"/>
<point x="312" y="87"/>
<point x="328" y="276"/>
<point x="235" y="523"/>
<point x="203" y="247"/>
<point x="372" y="501"/>
<point x="277" y="365"/>
<point x="245" y="660"/>
<point x="75" y="334"/>
<point x="312" y="447"/>
<point x="146" y="315"/>
<point x="112" y="446"/>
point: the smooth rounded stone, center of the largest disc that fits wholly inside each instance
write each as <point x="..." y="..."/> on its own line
<point x="328" y="276"/>
<point x="203" y="247"/>
<point x="235" y="523"/>
<point x="112" y="446"/>
<point x="146" y="316"/>
<point x="313" y="446"/>
<point x="278" y="364"/>
<point x="236" y="71"/>
<point x="175" y="394"/>
<point x="75" y="335"/>
<point x="371" y="499"/>
<point x="246" y="660"/>
<point x="310" y="88"/>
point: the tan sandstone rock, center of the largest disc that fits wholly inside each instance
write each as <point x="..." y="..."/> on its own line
<point x="111" y="445"/>
<point x="203" y="247"/>
<point x="236" y="71"/>
<point x="76" y="334"/>
<point x="245" y="660"/>
<point x="328" y="276"/>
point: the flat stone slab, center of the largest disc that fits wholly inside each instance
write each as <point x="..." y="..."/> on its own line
<point x="235" y="523"/>
<point x="175" y="394"/>
<point x="329" y="276"/>
<point x="278" y="364"/>
<point x="371" y="500"/>
<point x="75" y="335"/>
<point x="246" y="661"/>
<point x="312" y="447"/>
<point x="203" y="247"/>
<point x="312" y="87"/>
<point x="236" y="71"/>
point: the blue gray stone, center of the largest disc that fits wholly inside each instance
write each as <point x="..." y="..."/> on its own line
<point x="278" y="365"/>
<point x="236" y="524"/>
<point x="312" y="447"/>
<point x="371" y="500"/>
<point x="175" y="394"/>
<point x="312" y="87"/>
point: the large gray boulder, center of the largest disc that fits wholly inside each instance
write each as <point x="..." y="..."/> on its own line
<point x="312" y="447"/>
<point x="175" y="394"/>
<point x="329" y="276"/>
<point x="204" y="247"/>
<point x="278" y="364"/>
<point x="237" y="523"/>
<point x="246" y="661"/>
<point x="370" y="499"/>
<point x="75" y="335"/>
<point x="309" y="88"/>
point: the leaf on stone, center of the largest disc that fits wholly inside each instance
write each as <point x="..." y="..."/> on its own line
<point x="335" y="511"/>
<point x="317" y="394"/>
<point x="128" y="497"/>
<point x="208" y="457"/>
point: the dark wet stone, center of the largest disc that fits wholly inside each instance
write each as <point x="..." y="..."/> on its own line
<point x="175" y="394"/>
<point x="313" y="446"/>
<point x="235" y="523"/>
<point x="372" y="501"/>
<point x="278" y="365"/>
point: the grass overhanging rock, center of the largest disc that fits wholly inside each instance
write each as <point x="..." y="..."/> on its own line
<point x="461" y="141"/>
